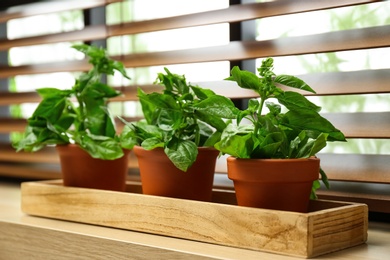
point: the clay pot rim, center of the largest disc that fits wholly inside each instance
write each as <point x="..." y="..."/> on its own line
<point x="233" y="158"/>
<point x="63" y="147"/>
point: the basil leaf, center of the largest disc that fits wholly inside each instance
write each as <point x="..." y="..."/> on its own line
<point x="182" y="153"/>
<point x="50" y="108"/>
<point x="202" y="93"/>
<point x="236" y="141"/>
<point x="245" y="79"/>
<point x="217" y="106"/>
<point x="294" y="82"/>
<point x="53" y="92"/>
<point x="152" y="143"/>
<point x="303" y="119"/>
<point x="100" y="146"/>
<point x="293" y="100"/>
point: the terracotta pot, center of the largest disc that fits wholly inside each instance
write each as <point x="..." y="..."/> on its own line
<point x="159" y="176"/>
<point x="279" y="184"/>
<point x="79" y="169"/>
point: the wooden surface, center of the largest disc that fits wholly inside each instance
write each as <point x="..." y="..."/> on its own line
<point x="27" y="237"/>
<point x="328" y="227"/>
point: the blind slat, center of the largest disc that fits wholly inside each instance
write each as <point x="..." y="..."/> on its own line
<point x="87" y="34"/>
<point x="350" y="82"/>
<point x="372" y="168"/>
<point x="30" y="171"/>
<point x="362" y="125"/>
<point x="45" y="155"/>
<point x="71" y="66"/>
<point x="8" y="125"/>
<point x="49" y="7"/>
<point x="7" y="98"/>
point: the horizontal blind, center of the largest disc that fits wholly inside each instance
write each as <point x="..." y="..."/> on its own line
<point x="355" y="176"/>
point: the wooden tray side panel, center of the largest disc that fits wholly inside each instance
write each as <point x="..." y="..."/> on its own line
<point x="242" y="227"/>
<point x="334" y="226"/>
<point x="335" y="230"/>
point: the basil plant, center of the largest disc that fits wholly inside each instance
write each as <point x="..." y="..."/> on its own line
<point x="289" y="127"/>
<point x="80" y="114"/>
<point x="180" y="119"/>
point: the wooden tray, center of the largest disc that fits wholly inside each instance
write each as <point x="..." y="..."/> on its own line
<point x="328" y="227"/>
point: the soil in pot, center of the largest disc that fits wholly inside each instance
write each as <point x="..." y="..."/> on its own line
<point x="279" y="184"/>
<point x="159" y="176"/>
<point x="79" y="169"/>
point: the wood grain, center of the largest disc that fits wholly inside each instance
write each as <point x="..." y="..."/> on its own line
<point x="286" y="233"/>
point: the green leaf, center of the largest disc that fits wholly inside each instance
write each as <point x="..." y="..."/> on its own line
<point x="296" y="143"/>
<point x="319" y="144"/>
<point x="253" y="105"/>
<point x="303" y="119"/>
<point x="100" y="146"/>
<point x="98" y="90"/>
<point x="214" y="121"/>
<point x="161" y="100"/>
<point x="202" y="93"/>
<point x="266" y="68"/>
<point x="311" y="146"/>
<point x="65" y="122"/>
<point x="148" y="108"/>
<point x="169" y="119"/>
<point x="294" y="82"/>
<point x="156" y="102"/>
<point x="213" y="139"/>
<point x="143" y="130"/>
<point x="182" y="153"/>
<point x="29" y="142"/>
<point x="236" y="141"/>
<point x="245" y="79"/>
<point x="316" y="185"/>
<point x="268" y="146"/>
<point x="218" y="106"/>
<point x="50" y="108"/>
<point x="324" y="178"/>
<point x="173" y="82"/>
<point x="152" y="143"/>
<point x="293" y="101"/>
<point x="128" y="138"/>
<point x="53" y="92"/>
<point x="244" y="114"/>
<point x="274" y="109"/>
<point x="120" y="68"/>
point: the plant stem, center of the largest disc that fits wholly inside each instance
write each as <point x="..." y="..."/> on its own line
<point x="257" y="120"/>
<point x="197" y="134"/>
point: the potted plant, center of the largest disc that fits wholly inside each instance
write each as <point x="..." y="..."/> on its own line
<point x="78" y="122"/>
<point x="271" y="151"/>
<point x="174" y="142"/>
